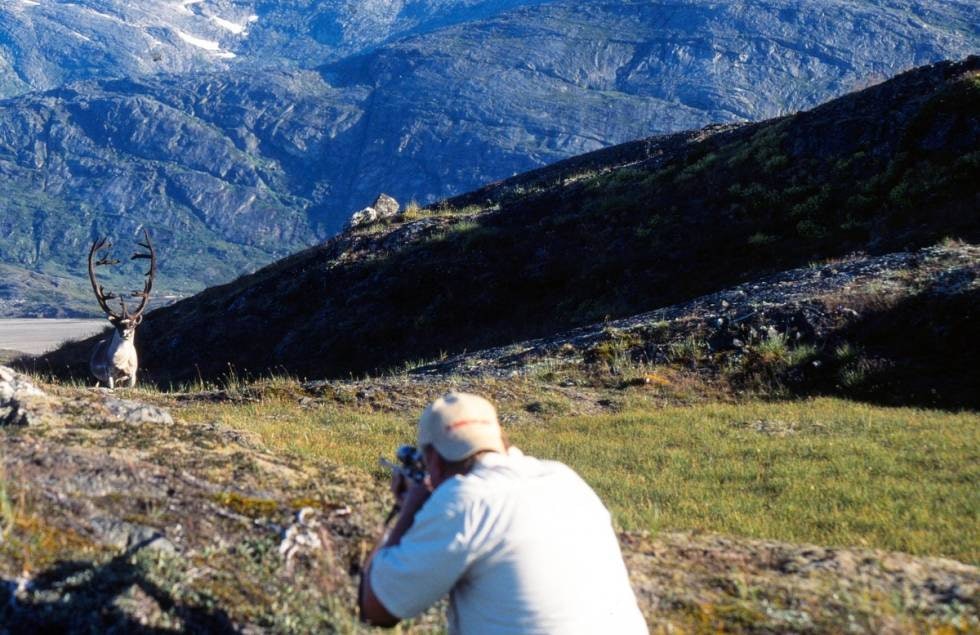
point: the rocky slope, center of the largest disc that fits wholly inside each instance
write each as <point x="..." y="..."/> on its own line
<point x="644" y="226"/>
<point x="233" y="163"/>
<point x="117" y="517"/>
<point x="152" y="533"/>
<point x="894" y="329"/>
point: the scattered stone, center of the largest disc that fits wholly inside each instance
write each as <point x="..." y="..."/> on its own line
<point x="13" y="384"/>
<point x="365" y="216"/>
<point x="17" y="396"/>
<point x="383" y="207"/>
<point x="130" y="536"/>
<point x="306" y="539"/>
<point x="136" y="413"/>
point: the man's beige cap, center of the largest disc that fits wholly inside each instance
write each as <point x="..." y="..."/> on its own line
<point x="459" y="425"/>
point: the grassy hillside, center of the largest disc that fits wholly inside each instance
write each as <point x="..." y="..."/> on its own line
<point x="663" y="221"/>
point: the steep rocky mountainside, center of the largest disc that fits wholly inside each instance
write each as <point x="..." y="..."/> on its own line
<point x="643" y="226"/>
<point x="232" y="163"/>
<point x="44" y="45"/>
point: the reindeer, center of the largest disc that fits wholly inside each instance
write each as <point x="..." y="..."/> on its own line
<point x="114" y="358"/>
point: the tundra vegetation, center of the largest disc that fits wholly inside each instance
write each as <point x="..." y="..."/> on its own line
<point x="772" y="387"/>
<point x="682" y="463"/>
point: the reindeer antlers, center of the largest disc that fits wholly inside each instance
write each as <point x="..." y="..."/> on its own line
<point x="102" y="296"/>
<point x="148" y="284"/>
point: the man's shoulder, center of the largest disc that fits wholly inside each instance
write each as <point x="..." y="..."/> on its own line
<point x="497" y="476"/>
<point x="496" y="473"/>
<point x="514" y="465"/>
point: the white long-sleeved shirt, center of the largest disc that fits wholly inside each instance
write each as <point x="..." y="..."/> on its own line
<point x="521" y="546"/>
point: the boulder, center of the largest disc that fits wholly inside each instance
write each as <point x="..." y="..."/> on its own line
<point x="136" y="413"/>
<point x="17" y="396"/>
<point x="383" y="207"/>
<point x="366" y="216"/>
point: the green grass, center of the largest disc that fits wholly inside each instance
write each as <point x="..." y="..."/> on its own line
<point x="331" y="433"/>
<point x="825" y="471"/>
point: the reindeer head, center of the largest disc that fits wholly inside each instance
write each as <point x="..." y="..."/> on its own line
<point x="126" y="326"/>
<point x="125" y="322"/>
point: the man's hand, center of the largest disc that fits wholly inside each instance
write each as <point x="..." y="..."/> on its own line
<point x="399" y="485"/>
<point x="416" y="495"/>
<point x="411" y="501"/>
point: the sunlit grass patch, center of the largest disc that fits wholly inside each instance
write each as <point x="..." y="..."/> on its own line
<point x="827" y="471"/>
<point x="323" y="432"/>
<point x="29" y="542"/>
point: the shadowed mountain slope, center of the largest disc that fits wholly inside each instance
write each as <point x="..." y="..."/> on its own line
<point x="233" y="164"/>
<point x="643" y="226"/>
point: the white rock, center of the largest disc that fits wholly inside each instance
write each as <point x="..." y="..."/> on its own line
<point x="383" y="207"/>
<point x="16" y="392"/>
<point x="364" y="217"/>
<point x="305" y="538"/>
<point x="386" y="206"/>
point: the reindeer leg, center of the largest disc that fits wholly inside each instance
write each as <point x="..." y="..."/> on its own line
<point x="112" y="382"/>
<point x="132" y="380"/>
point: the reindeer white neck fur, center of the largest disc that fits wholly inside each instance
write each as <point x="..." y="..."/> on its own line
<point x="115" y="358"/>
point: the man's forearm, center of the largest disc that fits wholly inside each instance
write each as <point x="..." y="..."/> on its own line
<point x="402" y="525"/>
<point x="371" y="609"/>
<point x="414" y="500"/>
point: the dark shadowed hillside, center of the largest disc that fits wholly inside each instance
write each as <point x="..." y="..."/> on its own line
<point x="604" y="236"/>
<point x="127" y="115"/>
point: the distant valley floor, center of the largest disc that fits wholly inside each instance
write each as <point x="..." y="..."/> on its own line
<point x="35" y="336"/>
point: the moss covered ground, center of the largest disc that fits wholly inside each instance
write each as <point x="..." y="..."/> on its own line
<point x="826" y="470"/>
<point x="720" y="501"/>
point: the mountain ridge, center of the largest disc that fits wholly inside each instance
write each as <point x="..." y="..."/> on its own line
<point x="732" y="204"/>
<point x="236" y="170"/>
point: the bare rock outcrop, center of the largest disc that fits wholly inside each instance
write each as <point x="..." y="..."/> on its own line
<point x="383" y="207"/>
<point x="21" y="402"/>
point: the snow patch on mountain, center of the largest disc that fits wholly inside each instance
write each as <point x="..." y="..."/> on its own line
<point x="207" y="45"/>
<point x="234" y="27"/>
